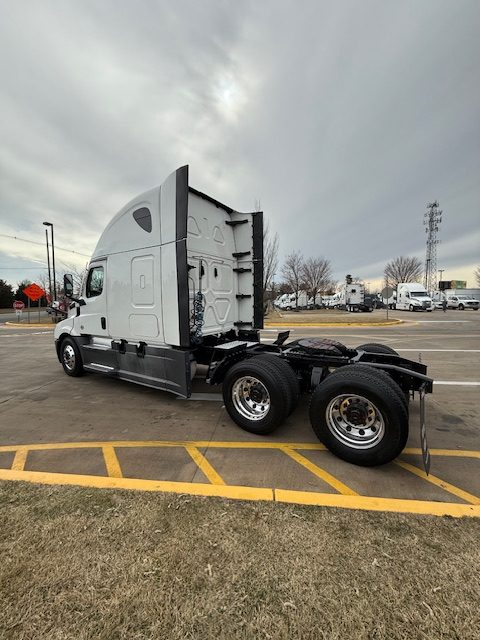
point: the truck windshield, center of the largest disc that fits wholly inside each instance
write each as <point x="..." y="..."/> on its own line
<point x="419" y="294"/>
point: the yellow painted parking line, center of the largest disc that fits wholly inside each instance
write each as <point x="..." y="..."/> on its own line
<point x="103" y="482"/>
<point x="366" y="503"/>
<point x="118" y="444"/>
<point x="306" y="446"/>
<point x="111" y="462"/>
<point x="249" y="493"/>
<point x="451" y="453"/>
<point x="319" y="472"/>
<point x="205" y="466"/>
<point x="20" y="459"/>
<point x="456" y="491"/>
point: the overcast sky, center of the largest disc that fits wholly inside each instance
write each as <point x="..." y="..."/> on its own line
<point x="343" y="118"/>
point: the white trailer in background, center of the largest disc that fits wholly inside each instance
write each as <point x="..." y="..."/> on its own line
<point x="176" y="281"/>
<point x="352" y="297"/>
<point x="289" y="301"/>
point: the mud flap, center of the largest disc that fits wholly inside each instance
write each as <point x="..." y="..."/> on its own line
<point x="423" y="431"/>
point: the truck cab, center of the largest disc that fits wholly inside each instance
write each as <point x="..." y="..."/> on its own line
<point x="173" y="266"/>
<point x="412" y="296"/>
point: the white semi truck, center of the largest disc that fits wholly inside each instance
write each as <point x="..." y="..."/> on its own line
<point x="412" y="296"/>
<point x="176" y="281"/>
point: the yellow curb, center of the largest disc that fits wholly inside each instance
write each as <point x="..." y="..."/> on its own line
<point x="369" y="503"/>
<point x="335" y="324"/>
<point x="165" y="486"/>
<point x="32" y="325"/>
<point x="364" y="503"/>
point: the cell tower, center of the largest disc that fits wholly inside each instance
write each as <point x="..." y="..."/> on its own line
<point x="431" y="220"/>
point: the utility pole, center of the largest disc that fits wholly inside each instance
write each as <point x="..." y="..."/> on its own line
<point x="440" y="271"/>
<point x="49" y="273"/>
<point x="49" y="224"/>
<point x="432" y="219"/>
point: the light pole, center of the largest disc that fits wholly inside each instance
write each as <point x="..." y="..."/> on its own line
<point x="440" y="271"/>
<point x="49" y="224"/>
<point x="48" y="262"/>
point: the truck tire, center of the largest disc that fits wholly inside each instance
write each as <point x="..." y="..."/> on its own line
<point x="255" y="396"/>
<point x="375" y="347"/>
<point x="461" y="307"/>
<point x="359" y="416"/>
<point x="288" y="374"/>
<point x="380" y="374"/>
<point x="71" y="358"/>
<point x="411" y="308"/>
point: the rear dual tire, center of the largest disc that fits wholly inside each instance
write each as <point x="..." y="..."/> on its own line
<point x="375" y="347"/>
<point x="360" y="415"/>
<point x="259" y="393"/>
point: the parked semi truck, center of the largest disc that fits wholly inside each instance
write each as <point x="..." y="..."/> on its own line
<point x="412" y="296"/>
<point x="176" y="281"/>
<point x="351" y="297"/>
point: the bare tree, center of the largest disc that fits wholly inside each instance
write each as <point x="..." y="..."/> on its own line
<point x="270" y="259"/>
<point x="476" y="273"/>
<point x="292" y="272"/>
<point x="403" y="269"/>
<point x="316" y="275"/>
<point x="78" y="274"/>
<point x="330" y="288"/>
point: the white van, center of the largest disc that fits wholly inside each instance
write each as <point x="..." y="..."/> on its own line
<point x="412" y="296"/>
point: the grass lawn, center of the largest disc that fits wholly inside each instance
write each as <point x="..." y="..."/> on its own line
<point x="104" y="564"/>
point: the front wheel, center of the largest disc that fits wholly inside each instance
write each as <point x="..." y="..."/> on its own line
<point x="71" y="358"/>
<point x="359" y="417"/>
<point x="411" y="308"/>
<point x="461" y="307"/>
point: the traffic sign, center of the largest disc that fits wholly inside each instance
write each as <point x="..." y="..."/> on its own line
<point x="387" y="292"/>
<point x="18" y="305"/>
<point x="34" y="292"/>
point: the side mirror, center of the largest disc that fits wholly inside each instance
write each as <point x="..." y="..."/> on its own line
<point x="68" y="284"/>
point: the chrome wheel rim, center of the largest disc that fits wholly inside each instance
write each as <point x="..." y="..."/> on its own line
<point x="251" y="398"/>
<point x="69" y="357"/>
<point x="355" y="421"/>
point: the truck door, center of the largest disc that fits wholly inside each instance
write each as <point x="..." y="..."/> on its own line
<point x="93" y="314"/>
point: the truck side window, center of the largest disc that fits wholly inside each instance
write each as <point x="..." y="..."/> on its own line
<point x="95" y="282"/>
<point x="143" y="218"/>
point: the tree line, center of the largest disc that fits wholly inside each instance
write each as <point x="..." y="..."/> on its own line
<point x="9" y="293"/>
<point x="314" y="275"/>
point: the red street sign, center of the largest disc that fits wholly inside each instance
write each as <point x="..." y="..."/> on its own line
<point x="19" y="305"/>
<point x="34" y="292"/>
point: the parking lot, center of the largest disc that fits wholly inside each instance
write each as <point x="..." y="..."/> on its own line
<point x="100" y="432"/>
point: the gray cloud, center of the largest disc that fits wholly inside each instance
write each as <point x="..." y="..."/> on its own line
<point x="344" y="119"/>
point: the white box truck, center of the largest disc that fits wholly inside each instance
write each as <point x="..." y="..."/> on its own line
<point x="176" y="281"/>
<point x="412" y="296"/>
